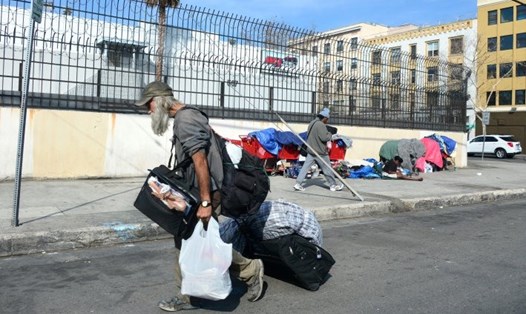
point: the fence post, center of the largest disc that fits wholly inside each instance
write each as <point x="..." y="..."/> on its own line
<point x="271" y="99"/>
<point x="313" y="103"/>
<point x="222" y="99"/>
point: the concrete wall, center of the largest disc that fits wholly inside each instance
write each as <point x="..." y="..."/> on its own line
<point x="73" y="144"/>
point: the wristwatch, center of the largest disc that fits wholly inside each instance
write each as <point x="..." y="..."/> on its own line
<point x="206" y="204"/>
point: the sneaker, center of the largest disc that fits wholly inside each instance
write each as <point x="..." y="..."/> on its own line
<point x="175" y="305"/>
<point x="299" y="187"/>
<point x="336" y="187"/>
<point x="255" y="289"/>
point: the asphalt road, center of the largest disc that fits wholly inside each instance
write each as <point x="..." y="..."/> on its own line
<point x="450" y="260"/>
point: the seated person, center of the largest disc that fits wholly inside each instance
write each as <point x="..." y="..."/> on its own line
<point x="391" y="169"/>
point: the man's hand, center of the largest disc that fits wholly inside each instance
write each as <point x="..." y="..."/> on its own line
<point x="204" y="213"/>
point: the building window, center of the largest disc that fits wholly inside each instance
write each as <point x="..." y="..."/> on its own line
<point x="339" y="86"/>
<point x="492" y="17"/>
<point x="506" y="15"/>
<point x="354" y="43"/>
<point x="519" y="97"/>
<point x="327" y="48"/>
<point x="521" y="12"/>
<point x="521" y="40"/>
<point x="354" y="63"/>
<point x="352" y="104"/>
<point x="395" y="101"/>
<point x="120" y="57"/>
<point x="506" y="42"/>
<point x="376" y="79"/>
<point x="456" y="72"/>
<point x="395" y="55"/>
<point x="413" y="51"/>
<point x="413" y="76"/>
<point x="395" y="77"/>
<point x="432" y="49"/>
<point x="492" y="44"/>
<point x="520" y="69"/>
<point x="327" y="66"/>
<point x="377" y="57"/>
<point x="376" y="101"/>
<point x="314" y="51"/>
<point x="326" y="87"/>
<point x="339" y="46"/>
<point x="431" y="99"/>
<point x="490" y="99"/>
<point x="432" y="74"/>
<point x="492" y="71"/>
<point x="505" y="98"/>
<point x="353" y="85"/>
<point x="506" y="69"/>
<point x="456" y="45"/>
<point x="339" y="65"/>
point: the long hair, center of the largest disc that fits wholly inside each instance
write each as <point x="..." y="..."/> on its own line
<point x="160" y="115"/>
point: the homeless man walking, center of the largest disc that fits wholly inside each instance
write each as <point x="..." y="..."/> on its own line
<point x="193" y="139"/>
<point x="317" y="138"/>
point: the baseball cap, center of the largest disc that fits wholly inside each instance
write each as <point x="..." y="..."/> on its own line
<point x="325" y="112"/>
<point x="154" y="89"/>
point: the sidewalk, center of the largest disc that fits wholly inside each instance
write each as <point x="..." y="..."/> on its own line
<point x="67" y="214"/>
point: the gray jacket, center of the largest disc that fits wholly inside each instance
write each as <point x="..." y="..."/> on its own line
<point x="318" y="136"/>
<point x="192" y="133"/>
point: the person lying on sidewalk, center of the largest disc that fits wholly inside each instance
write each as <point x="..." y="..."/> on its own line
<point x="392" y="170"/>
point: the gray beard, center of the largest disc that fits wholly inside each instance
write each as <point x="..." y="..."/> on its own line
<point x="160" y="120"/>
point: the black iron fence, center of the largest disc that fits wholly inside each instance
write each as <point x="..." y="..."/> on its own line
<point x="96" y="55"/>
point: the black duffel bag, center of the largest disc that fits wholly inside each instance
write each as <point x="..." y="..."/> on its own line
<point x="180" y="224"/>
<point x="294" y="255"/>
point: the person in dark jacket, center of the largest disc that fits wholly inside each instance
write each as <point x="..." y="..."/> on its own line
<point x="391" y="169"/>
<point x="317" y="138"/>
<point x="193" y="139"/>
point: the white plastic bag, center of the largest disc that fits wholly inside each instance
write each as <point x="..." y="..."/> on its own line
<point x="204" y="262"/>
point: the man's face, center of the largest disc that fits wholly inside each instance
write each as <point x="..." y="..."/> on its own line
<point x="325" y="120"/>
<point x="151" y="106"/>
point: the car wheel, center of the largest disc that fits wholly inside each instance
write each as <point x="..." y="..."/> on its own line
<point x="500" y="153"/>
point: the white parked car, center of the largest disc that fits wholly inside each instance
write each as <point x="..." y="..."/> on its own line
<point x="502" y="146"/>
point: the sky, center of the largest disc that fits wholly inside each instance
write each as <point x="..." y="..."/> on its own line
<point x="331" y="14"/>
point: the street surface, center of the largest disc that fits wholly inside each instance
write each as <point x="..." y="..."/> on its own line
<point x="468" y="259"/>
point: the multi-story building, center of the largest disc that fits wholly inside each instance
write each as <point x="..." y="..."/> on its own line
<point x="501" y="59"/>
<point x="455" y="43"/>
<point x="339" y="55"/>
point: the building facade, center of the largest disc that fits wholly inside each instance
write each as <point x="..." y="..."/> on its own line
<point x="455" y="42"/>
<point x="501" y="59"/>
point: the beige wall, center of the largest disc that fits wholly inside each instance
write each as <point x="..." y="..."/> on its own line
<point x="72" y="144"/>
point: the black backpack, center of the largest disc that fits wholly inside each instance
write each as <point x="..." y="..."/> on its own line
<point x="245" y="185"/>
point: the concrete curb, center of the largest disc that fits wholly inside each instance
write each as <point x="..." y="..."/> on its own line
<point x="116" y="233"/>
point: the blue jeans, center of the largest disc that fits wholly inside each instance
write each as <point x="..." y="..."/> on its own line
<point x="309" y="161"/>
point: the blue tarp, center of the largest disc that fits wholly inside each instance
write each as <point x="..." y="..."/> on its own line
<point x="287" y="138"/>
<point x="267" y="139"/>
